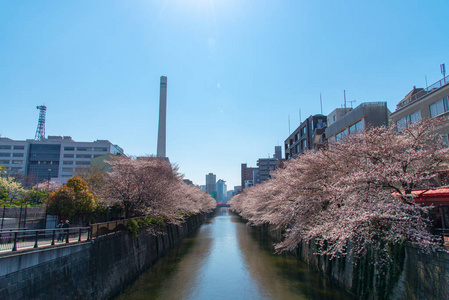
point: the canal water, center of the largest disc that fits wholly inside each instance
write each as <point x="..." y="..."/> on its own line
<point x="225" y="259"/>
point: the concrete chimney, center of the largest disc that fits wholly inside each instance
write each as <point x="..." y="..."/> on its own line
<point x="161" y="138"/>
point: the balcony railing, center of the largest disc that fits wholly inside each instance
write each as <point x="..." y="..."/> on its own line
<point x="431" y="88"/>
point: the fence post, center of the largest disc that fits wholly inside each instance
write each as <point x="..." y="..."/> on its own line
<point x="79" y="237"/>
<point x="20" y="216"/>
<point x="35" y="241"/>
<point x="25" y="217"/>
<point x="68" y="233"/>
<point x="53" y="237"/>
<point x="14" y="248"/>
<point x="3" y="217"/>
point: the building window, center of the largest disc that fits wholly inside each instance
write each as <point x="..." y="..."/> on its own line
<point x="357" y="127"/>
<point x="5" y="147"/>
<point x="101" y="149"/>
<point x="17" y="155"/>
<point x="341" y="135"/>
<point x="83" y="149"/>
<point x="19" y="147"/>
<point x="334" y="117"/>
<point x="404" y="122"/>
<point x="298" y="149"/>
<point x="83" y="156"/>
<point x="17" y="162"/>
<point x="69" y="148"/>
<point x="304" y="144"/>
<point x="439" y="107"/>
<point x="5" y="155"/>
<point x="4" y="162"/>
<point x="67" y="169"/>
<point x="296" y="136"/>
<point x="69" y="156"/>
<point x="83" y="163"/>
<point x="415" y="117"/>
<point x="303" y="131"/>
<point x="67" y="162"/>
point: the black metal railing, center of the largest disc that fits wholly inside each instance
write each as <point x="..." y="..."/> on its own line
<point x="22" y="239"/>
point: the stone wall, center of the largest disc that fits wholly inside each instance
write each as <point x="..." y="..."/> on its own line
<point x="421" y="275"/>
<point x="98" y="269"/>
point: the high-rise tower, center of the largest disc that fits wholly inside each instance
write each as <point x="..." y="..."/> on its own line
<point x="162" y="118"/>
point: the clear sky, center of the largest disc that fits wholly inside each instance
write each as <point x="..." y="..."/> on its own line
<point x="237" y="70"/>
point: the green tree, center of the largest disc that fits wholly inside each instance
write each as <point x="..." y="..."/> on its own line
<point x="71" y="199"/>
<point x="10" y="190"/>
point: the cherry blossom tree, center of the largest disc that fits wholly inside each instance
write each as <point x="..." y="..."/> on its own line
<point x="358" y="191"/>
<point x="150" y="187"/>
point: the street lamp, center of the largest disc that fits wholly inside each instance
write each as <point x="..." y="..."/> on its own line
<point x="107" y="211"/>
<point x="48" y="183"/>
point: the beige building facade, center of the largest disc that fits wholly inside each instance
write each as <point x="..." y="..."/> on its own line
<point x="422" y="104"/>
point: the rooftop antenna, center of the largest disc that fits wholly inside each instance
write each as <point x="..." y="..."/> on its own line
<point x="427" y="86"/>
<point x="40" y="130"/>
<point x="300" y="121"/>
<point x="321" y="104"/>
<point x="443" y="71"/>
<point x="351" y="102"/>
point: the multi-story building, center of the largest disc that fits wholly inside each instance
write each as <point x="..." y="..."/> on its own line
<point x="211" y="183"/>
<point x="247" y="176"/>
<point x="372" y="114"/>
<point x="188" y="181"/>
<point x="309" y="135"/>
<point x="424" y="104"/>
<point x="56" y="158"/>
<point x="278" y="152"/>
<point x="222" y="191"/>
<point x="266" y="166"/>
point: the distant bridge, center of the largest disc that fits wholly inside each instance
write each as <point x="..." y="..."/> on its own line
<point x="223" y="205"/>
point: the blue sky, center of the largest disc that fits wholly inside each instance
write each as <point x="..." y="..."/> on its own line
<point x="237" y="70"/>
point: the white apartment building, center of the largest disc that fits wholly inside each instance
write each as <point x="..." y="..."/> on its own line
<point x="56" y="157"/>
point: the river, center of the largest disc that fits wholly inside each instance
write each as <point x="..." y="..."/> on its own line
<point x="225" y="259"/>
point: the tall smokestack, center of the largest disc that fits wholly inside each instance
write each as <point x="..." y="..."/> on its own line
<point x="162" y="118"/>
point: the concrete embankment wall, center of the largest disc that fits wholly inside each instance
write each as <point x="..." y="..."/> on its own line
<point x="419" y="274"/>
<point x="98" y="269"/>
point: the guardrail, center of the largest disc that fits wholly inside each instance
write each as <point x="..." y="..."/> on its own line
<point x="15" y="239"/>
<point x="22" y="238"/>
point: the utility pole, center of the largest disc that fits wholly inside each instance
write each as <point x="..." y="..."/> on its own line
<point x="321" y="104"/>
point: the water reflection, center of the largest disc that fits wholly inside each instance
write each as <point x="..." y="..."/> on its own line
<point x="225" y="259"/>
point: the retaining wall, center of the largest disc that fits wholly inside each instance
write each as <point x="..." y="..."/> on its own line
<point x="421" y="275"/>
<point x="98" y="269"/>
